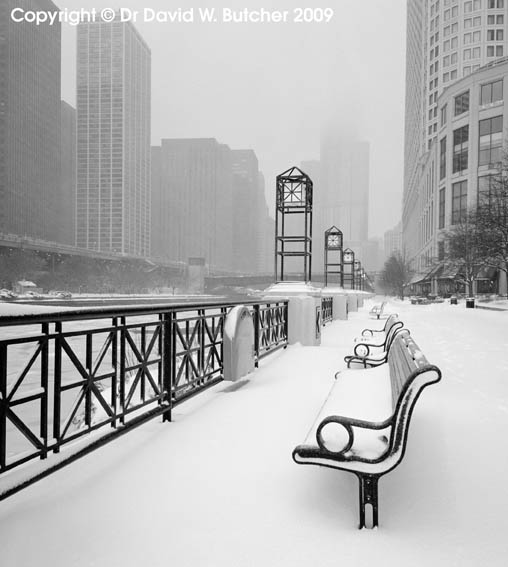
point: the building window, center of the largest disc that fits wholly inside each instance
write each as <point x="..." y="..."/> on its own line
<point x="442" y="195"/>
<point x="460" y="148"/>
<point x="459" y="201"/>
<point x="461" y="103"/>
<point x="476" y="54"/>
<point x="499" y="4"/>
<point x="442" y="158"/>
<point x="491" y="92"/>
<point x="491" y="139"/>
<point x="486" y="185"/>
<point x="499" y="50"/>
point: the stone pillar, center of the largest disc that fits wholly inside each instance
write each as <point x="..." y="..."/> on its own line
<point x="304" y="311"/>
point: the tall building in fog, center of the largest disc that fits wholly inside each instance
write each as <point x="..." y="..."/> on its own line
<point x="67" y="197"/>
<point x="454" y="99"/>
<point x="29" y="123"/>
<point x="192" y="202"/>
<point x="341" y="194"/>
<point x="247" y="209"/>
<point x="113" y="139"/>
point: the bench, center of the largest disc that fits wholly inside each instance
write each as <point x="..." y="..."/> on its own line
<point x="363" y="425"/>
<point x="373" y="352"/>
<point x="375" y="334"/>
<point x="377" y="310"/>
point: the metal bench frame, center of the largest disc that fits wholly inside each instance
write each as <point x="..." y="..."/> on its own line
<point x="377" y="310"/>
<point x="410" y="373"/>
<point x="363" y="350"/>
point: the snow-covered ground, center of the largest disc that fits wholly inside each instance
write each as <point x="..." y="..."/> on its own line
<point x="218" y="488"/>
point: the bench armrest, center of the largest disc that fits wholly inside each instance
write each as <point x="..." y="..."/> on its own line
<point x="369" y="333"/>
<point x="365" y="360"/>
<point x="348" y="424"/>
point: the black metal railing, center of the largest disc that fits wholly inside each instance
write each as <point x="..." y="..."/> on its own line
<point x="327" y="309"/>
<point x="66" y="375"/>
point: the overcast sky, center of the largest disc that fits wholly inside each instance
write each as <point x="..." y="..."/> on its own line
<point x="271" y="87"/>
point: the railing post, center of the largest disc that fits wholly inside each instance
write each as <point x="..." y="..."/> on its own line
<point x="167" y="363"/>
<point x="286" y="322"/>
<point x="57" y="385"/>
<point x="123" y="354"/>
<point x="3" y="404"/>
<point x="256" y="335"/>
<point x="114" y="365"/>
<point x="44" y="386"/>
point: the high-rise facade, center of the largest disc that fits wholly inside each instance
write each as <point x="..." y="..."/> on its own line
<point x="29" y="123"/>
<point x="447" y="40"/>
<point x="67" y="197"/>
<point x="113" y="139"/>
<point x="341" y="193"/>
<point x="247" y="209"/>
<point x="192" y="202"/>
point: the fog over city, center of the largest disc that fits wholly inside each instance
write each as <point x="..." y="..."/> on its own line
<point x="272" y="87"/>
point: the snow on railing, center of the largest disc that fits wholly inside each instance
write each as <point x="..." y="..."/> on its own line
<point x="66" y="375"/>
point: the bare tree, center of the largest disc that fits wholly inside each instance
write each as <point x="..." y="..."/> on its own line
<point x="465" y="244"/>
<point x="396" y="274"/>
<point x="492" y="216"/>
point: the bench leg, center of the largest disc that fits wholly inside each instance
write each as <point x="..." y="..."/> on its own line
<point x="368" y="495"/>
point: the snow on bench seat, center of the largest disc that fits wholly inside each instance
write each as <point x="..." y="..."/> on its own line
<point x="356" y="394"/>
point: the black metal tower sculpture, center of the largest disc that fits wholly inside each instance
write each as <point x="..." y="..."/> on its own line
<point x="357" y="266"/>
<point x="333" y="256"/>
<point x="348" y="276"/>
<point x="293" y="239"/>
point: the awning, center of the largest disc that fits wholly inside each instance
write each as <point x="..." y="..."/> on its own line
<point x="487" y="273"/>
<point x="426" y="276"/>
<point x="417" y="278"/>
<point x="450" y="271"/>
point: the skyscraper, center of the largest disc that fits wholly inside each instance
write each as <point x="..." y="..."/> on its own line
<point x="341" y="198"/>
<point x="113" y="139"/>
<point x="67" y="197"/>
<point x="446" y="40"/>
<point x="247" y="210"/>
<point x="29" y="123"/>
<point x="192" y="201"/>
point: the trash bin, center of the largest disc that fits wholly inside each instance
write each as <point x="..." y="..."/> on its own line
<point x="469" y="302"/>
<point x="453" y="300"/>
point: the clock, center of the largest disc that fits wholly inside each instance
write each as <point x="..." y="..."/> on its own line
<point x="333" y="241"/>
<point x="348" y="256"/>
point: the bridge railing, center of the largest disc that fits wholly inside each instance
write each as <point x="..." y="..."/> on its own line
<point x="64" y="376"/>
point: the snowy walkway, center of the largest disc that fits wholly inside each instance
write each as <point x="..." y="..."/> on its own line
<point x="218" y="488"/>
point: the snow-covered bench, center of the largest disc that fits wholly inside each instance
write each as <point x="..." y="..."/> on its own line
<point x="377" y="310"/>
<point x="362" y="427"/>
<point x="374" y="351"/>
